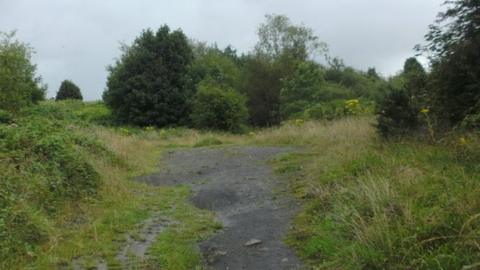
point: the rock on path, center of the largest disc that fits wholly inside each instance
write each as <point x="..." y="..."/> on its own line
<point x="238" y="185"/>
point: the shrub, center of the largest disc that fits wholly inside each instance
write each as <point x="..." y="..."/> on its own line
<point x="19" y="85"/>
<point x="326" y="110"/>
<point x="472" y="120"/>
<point x="218" y="108"/>
<point x="68" y="90"/>
<point x="147" y="85"/>
<point x="5" y="117"/>
<point x="396" y="114"/>
<point x="44" y="165"/>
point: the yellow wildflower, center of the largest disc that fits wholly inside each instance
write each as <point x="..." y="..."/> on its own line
<point x="462" y="141"/>
<point x="425" y="110"/>
<point x="299" y="121"/>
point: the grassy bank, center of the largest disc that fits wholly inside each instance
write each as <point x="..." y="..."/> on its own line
<point x="67" y="191"/>
<point x="371" y="204"/>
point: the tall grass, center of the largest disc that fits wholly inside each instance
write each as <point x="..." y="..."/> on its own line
<point x="371" y="204"/>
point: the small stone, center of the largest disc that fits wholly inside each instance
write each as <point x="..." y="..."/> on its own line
<point x="221" y="253"/>
<point x="253" y="242"/>
<point x="285" y="260"/>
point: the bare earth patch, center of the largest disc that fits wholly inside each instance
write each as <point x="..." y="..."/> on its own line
<point x="239" y="186"/>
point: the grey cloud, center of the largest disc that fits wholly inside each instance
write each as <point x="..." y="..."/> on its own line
<point x="77" y="39"/>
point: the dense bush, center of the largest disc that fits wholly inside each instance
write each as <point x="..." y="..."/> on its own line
<point x="5" y="117"/>
<point x="219" y="108"/>
<point x="454" y="47"/>
<point x="68" y="90"/>
<point x="262" y="84"/>
<point x="399" y="110"/>
<point x="19" y="85"/>
<point x="212" y="64"/>
<point x="396" y="114"/>
<point x="301" y="89"/>
<point x="147" y="85"/>
<point x="44" y="165"/>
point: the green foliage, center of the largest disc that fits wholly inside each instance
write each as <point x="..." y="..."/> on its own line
<point x="5" y="117"/>
<point x="262" y="84"/>
<point x="68" y="90"/>
<point x="147" y="85"/>
<point x="472" y="120"/>
<point x="279" y="37"/>
<point x="396" y="114"/>
<point x="95" y="112"/>
<point x="371" y="204"/>
<point x="19" y="85"/>
<point x="214" y="65"/>
<point x="408" y="221"/>
<point x="305" y="83"/>
<point x="73" y="111"/>
<point x="220" y="108"/>
<point x="320" y="93"/>
<point x="335" y="109"/>
<point x="281" y="47"/>
<point x="398" y="111"/>
<point x="44" y="165"/>
<point x="454" y="43"/>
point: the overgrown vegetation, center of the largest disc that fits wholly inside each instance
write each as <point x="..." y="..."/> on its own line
<point x="220" y="109"/>
<point x="279" y="79"/>
<point x="406" y="199"/>
<point x="380" y="205"/>
<point x="66" y="189"/>
<point x="449" y="94"/>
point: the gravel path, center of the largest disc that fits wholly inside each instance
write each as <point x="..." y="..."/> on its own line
<point x="238" y="185"/>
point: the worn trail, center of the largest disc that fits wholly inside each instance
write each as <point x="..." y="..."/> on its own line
<point x="238" y="185"/>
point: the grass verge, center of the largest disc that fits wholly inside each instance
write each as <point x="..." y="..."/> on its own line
<point x="371" y="204"/>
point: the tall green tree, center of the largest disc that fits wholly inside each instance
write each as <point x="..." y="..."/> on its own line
<point x="69" y="90"/>
<point x="262" y="83"/>
<point x="454" y="45"/>
<point x="398" y="111"/>
<point x="278" y="36"/>
<point x="302" y="89"/>
<point x="148" y="84"/>
<point x="19" y="84"/>
<point x="280" y="48"/>
<point x="415" y="82"/>
<point x="214" y="65"/>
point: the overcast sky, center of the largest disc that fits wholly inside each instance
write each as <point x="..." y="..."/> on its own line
<point x="77" y="39"/>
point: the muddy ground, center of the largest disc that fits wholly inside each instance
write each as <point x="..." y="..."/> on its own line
<point x="240" y="187"/>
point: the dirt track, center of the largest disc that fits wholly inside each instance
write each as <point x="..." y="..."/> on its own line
<point x="239" y="186"/>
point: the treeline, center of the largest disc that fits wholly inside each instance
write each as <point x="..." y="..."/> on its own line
<point x="165" y="79"/>
<point x="446" y="97"/>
